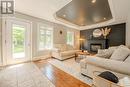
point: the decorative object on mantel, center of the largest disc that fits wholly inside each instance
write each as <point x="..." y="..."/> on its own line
<point x="97" y="33"/>
<point x="105" y="32"/>
<point x="61" y="32"/>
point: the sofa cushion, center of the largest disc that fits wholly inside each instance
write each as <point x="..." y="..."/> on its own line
<point x="127" y="59"/>
<point x="121" y="53"/>
<point x="69" y="47"/>
<point x="57" y="45"/>
<point x="55" y="50"/>
<point x="63" y="47"/>
<point x="109" y="64"/>
<point x="112" y="49"/>
<point x="104" y="53"/>
<point x="60" y="47"/>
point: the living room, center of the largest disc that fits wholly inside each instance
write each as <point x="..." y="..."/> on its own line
<point x="64" y="43"/>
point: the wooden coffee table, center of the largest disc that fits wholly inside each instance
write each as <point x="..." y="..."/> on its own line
<point x="81" y="54"/>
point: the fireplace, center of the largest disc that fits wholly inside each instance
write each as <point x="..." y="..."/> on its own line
<point x="95" y="47"/>
<point x="94" y="44"/>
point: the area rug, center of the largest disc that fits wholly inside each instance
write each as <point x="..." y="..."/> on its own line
<point x="23" y="75"/>
<point x="71" y="67"/>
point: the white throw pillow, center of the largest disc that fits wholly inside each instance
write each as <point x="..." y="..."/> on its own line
<point x="104" y="53"/>
<point x="121" y="53"/>
<point x="127" y="59"/>
<point x="69" y="47"/>
<point x="112" y="49"/>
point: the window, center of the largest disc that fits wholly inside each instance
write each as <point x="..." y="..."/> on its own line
<point x="70" y="38"/>
<point x="45" y="37"/>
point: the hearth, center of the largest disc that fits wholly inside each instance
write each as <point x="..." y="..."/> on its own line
<point x="95" y="44"/>
<point x="95" y="47"/>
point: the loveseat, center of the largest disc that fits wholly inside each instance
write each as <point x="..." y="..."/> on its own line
<point x="63" y="51"/>
<point x="116" y="60"/>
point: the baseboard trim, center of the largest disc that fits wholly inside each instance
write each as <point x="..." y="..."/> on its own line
<point x="33" y="59"/>
<point x="41" y="57"/>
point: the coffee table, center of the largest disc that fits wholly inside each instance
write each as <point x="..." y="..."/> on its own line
<point x="81" y="55"/>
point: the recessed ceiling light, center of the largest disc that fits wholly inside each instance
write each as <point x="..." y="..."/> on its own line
<point x="93" y="1"/>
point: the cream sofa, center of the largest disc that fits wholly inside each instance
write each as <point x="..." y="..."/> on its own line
<point x="63" y="51"/>
<point x="119" y="67"/>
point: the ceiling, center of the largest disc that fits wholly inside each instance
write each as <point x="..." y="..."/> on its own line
<point x="46" y="9"/>
<point x="86" y="12"/>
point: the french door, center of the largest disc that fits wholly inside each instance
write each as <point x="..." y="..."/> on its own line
<point x="17" y="41"/>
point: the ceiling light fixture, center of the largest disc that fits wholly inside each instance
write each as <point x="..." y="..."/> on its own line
<point x="93" y="1"/>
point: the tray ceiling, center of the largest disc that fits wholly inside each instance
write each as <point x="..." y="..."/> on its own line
<point x="46" y="9"/>
<point x="86" y="12"/>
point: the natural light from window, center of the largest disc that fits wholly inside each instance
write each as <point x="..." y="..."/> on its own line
<point x="70" y="38"/>
<point x="18" y="40"/>
<point x="45" y="37"/>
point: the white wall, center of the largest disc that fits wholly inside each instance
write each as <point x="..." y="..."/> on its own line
<point x="58" y="39"/>
<point x="0" y="41"/>
<point x="61" y="38"/>
<point x="128" y="30"/>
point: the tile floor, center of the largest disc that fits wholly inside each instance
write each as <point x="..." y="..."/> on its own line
<point x="23" y="75"/>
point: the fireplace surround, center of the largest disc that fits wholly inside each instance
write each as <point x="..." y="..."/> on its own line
<point x="95" y="47"/>
<point x="95" y="44"/>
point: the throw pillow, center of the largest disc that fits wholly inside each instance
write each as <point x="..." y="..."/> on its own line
<point x="106" y="53"/>
<point x="121" y="53"/>
<point x="112" y="49"/>
<point x="109" y="76"/>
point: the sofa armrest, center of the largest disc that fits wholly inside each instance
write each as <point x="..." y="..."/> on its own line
<point x="113" y="65"/>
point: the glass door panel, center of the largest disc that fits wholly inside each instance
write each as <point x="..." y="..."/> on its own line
<point x="18" y="41"/>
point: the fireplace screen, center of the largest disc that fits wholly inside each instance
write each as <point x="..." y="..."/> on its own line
<point x="95" y="47"/>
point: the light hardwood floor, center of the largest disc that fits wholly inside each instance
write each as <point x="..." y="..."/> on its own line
<point x="58" y="77"/>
